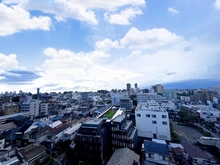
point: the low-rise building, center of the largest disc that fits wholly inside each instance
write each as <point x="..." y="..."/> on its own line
<point x="124" y="156"/>
<point x="157" y="153"/>
<point x="197" y="156"/>
<point x="32" y="153"/>
<point x="10" y="108"/>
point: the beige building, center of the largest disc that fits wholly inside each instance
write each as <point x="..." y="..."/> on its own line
<point x="158" y="88"/>
<point x="10" y="108"/>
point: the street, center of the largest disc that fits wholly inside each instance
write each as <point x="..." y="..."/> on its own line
<point x="187" y="135"/>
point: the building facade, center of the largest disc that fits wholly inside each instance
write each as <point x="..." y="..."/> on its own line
<point x="158" y="88"/>
<point x="90" y="142"/>
<point x="123" y="134"/>
<point x="152" y="121"/>
<point x="10" y="108"/>
<point x="126" y="103"/>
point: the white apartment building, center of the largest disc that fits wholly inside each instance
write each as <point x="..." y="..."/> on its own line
<point x="44" y="107"/>
<point x="144" y="97"/>
<point x="208" y="113"/>
<point x="152" y="121"/>
<point x="34" y="108"/>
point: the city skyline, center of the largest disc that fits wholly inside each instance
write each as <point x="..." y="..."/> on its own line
<point x="78" y="45"/>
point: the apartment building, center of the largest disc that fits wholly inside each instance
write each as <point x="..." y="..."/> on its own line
<point x="144" y="97"/>
<point x="90" y="142"/>
<point x="34" y="108"/>
<point x="152" y="121"/>
<point x="158" y="88"/>
<point x="44" y="108"/>
<point x="126" y="103"/>
<point x="116" y="97"/>
<point x="10" y="108"/>
<point x="123" y="134"/>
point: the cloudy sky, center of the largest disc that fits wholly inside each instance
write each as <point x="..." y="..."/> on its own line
<point x="59" y="45"/>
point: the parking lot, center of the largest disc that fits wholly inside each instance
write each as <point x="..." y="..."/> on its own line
<point x="186" y="134"/>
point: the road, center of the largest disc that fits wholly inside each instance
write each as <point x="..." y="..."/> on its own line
<point x="187" y="135"/>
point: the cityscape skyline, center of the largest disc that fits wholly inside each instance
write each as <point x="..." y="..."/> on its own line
<point x="85" y="46"/>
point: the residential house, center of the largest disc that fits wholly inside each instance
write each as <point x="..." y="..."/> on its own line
<point x="196" y="156"/>
<point x="37" y="135"/>
<point x="124" y="156"/>
<point x="70" y="133"/>
<point x="55" y="134"/>
<point x="157" y="153"/>
<point x="32" y="153"/>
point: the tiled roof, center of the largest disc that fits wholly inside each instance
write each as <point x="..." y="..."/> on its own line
<point x="195" y="151"/>
<point x="123" y="156"/>
<point x="153" y="147"/>
<point x="32" y="150"/>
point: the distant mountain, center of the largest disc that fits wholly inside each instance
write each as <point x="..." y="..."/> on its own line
<point x="192" y="84"/>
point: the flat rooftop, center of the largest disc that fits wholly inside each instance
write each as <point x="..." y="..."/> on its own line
<point x="148" y="106"/>
<point x="94" y="121"/>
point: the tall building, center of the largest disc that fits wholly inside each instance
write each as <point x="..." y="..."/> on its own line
<point x="135" y="85"/>
<point x="152" y="121"/>
<point x="128" y="87"/>
<point x="124" y="134"/>
<point x="38" y="93"/>
<point x="91" y="142"/>
<point x="34" y="108"/>
<point x="158" y="88"/>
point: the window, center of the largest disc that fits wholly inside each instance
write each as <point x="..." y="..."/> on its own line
<point x="165" y="158"/>
<point x="151" y="155"/>
<point x="154" y="122"/>
<point x="147" y="115"/>
<point x="138" y="115"/>
<point x="154" y="116"/>
<point x="164" y="116"/>
<point x="164" y="123"/>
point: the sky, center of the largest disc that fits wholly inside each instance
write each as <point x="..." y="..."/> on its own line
<point x="81" y="45"/>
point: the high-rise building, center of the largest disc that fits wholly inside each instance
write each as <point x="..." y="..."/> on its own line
<point x="152" y="121"/>
<point x="158" y="88"/>
<point x="128" y="87"/>
<point x="135" y="85"/>
<point x="38" y="93"/>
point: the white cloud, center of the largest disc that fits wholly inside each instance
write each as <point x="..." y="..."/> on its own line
<point x="14" y="19"/>
<point x="217" y="4"/>
<point x="8" y="62"/>
<point x="82" y="10"/>
<point x="124" y="17"/>
<point x="135" y="39"/>
<point x="69" y="69"/>
<point x="107" y="44"/>
<point x="172" y="10"/>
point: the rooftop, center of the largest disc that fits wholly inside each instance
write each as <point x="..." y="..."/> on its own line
<point x="94" y="121"/>
<point x="154" y="147"/>
<point x="32" y="150"/>
<point x="149" y="106"/>
<point x="123" y="156"/>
